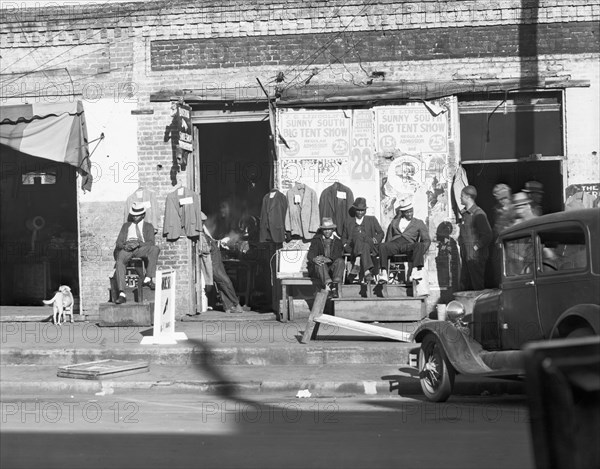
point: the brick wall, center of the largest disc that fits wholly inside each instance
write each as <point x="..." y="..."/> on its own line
<point x="411" y="44"/>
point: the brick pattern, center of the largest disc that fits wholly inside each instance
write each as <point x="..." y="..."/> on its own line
<point x="484" y="41"/>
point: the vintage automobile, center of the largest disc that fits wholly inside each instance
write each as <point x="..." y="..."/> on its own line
<point x="550" y="288"/>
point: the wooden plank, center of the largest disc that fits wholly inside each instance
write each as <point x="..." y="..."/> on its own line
<point x="315" y="313"/>
<point x="380" y="309"/>
<point x="102" y="369"/>
<point x="364" y="328"/>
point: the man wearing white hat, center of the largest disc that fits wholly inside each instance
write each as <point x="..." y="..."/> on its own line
<point x="136" y="239"/>
<point x="405" y="234"/>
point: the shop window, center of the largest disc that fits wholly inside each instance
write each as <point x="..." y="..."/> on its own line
<point x="511" y="125"/>
<point x="562" y="249"/>
<point x="519" y="256"/>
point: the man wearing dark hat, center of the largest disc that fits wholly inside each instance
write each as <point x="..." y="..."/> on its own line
<point x="361" y="237"/>
<point x="504" y="216"/>
<point x="405" y="234"/>
<point x="136" y="239"/>
<point x="474" y="241"/>
<point x="522" y="204"/>
<point x="535" y="190"/>
<point x="326" y="257"/>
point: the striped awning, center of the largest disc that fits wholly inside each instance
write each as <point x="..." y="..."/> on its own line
<point x="53" y="131"/>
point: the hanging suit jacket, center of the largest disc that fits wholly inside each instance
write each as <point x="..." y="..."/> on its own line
<point x="272" y="217"/>
<point x="302" y="219"/>
<point x="182" y="220"/>
<point x="330" y="205"/>
<point x="144" y="195"/>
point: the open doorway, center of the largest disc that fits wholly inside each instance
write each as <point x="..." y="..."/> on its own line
<point x="484" y="176"/>
<point x="236" y="170"/>
<point x="38" y="228"/>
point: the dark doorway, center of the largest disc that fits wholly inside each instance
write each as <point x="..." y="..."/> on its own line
<point x="484" y="176"/>
<point x="236" y="171"/>
<point x="38" y="234"/>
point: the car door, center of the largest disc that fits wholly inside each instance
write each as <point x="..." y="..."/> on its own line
<point x="563" y="271"/>
<point x="518" y="316"/>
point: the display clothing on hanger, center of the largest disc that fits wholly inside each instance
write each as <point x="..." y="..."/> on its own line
<point x="147" y="199"/>
<point x="302" y="216"/>
<point x="335" y="202"/>
<point x="272" y="217"/>
<point x="182" y="214"/>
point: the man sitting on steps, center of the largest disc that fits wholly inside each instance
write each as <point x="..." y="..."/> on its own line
<point x="326" y="257"/>
<point x="405" y="234"/>
<point x="136" y="239"/>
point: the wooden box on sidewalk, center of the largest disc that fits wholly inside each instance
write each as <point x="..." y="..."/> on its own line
<point x="128" y="314"/>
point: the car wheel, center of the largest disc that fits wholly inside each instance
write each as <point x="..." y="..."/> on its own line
<point x="582" y="331"/>
<point x="435" y="372"/>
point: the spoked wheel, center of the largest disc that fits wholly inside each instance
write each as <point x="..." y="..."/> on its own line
<point x="435" y="371"/>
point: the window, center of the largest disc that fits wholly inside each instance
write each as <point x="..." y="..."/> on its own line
<point x="510" y="125"/>
<point x="562" y="249"/>
<point x="518" y="256"/>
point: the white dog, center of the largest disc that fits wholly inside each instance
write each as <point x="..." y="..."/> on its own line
<point x="62" y="304"/>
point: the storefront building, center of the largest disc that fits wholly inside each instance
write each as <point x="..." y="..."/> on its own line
<point x="390" y="99"/>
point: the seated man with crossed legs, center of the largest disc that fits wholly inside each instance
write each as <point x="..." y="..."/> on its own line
<point x="405" y="234"/>
<point x="136" y="239"/>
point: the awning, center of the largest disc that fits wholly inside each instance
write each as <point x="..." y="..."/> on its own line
<point x="53" y="131"/>
<point x="344" y="94"/>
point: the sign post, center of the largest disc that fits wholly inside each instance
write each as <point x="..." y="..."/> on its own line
<point x="164" y="311"/>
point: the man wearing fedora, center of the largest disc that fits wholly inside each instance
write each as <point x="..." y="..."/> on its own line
<point x="361" y="238"/>
<point x="523" y="206"/>
<point x="326" y="257"/>
<point x="535" y="190"/>
<point x="136" y="239"/>
<point x="405" y="234"/>
<point x="474" y="241"/>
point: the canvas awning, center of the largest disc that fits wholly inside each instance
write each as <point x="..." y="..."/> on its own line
<point x="53" y="131"/>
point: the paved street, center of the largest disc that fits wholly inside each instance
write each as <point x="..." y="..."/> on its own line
<point x="149" y="429"/>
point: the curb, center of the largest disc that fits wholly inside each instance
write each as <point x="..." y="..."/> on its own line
<point x="231" y="389"/>
<point x="258" y="356"/>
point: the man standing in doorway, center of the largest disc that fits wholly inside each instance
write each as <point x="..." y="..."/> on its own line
<point x="535" y="190"/>
<point x="474" y="240"/>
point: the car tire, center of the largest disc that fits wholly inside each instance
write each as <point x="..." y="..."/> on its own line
<point x="436" y="374"/>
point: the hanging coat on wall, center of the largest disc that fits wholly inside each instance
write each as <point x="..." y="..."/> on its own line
<point x="335" y="202"/>
<point x="148" y="200"/>
<point x="302" y="217"/>
<point x="272" y="217"/>
<point x="182" y="214"/>
<point x="459" y="182"/>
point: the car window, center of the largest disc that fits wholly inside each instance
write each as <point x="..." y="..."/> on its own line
<point x="519" y="258"/>
<point x="562" y="249"/>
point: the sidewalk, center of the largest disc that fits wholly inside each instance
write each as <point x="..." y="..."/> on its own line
<point x="249" y="352"/>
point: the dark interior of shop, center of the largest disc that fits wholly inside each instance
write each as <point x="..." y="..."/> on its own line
<point x="38" y="229"/>
<point x="236" y="171"/>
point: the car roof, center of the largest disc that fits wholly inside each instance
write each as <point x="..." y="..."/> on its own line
<point x="590" y="217"/>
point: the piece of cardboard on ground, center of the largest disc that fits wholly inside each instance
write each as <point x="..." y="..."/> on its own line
<point x="103" y="369"/>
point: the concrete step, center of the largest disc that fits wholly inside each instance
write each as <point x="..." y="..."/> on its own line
<point x="321" y="381"/>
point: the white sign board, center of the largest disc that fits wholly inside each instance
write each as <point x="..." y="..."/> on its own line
<point x="164" y="311"/>
<point x="411" y="128"/>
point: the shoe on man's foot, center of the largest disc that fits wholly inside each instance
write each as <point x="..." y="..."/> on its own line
<point x="333" y="289"/>
<point x="121" y="299"/>
<point x="149" y="283"/>
<point x="369" y="278"/>
<point x="383" y="277"/>
<point x="235" y="309"/>
<point x="355" y="270"/>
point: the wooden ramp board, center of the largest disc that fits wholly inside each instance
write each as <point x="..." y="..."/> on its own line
<point x="364" y="328"/>
<point x="103" y="369"/>
<point x="317" y="317"/>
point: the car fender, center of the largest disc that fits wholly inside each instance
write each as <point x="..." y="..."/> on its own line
<point x="462" y="351"/>
<point x="577" y="316"/>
